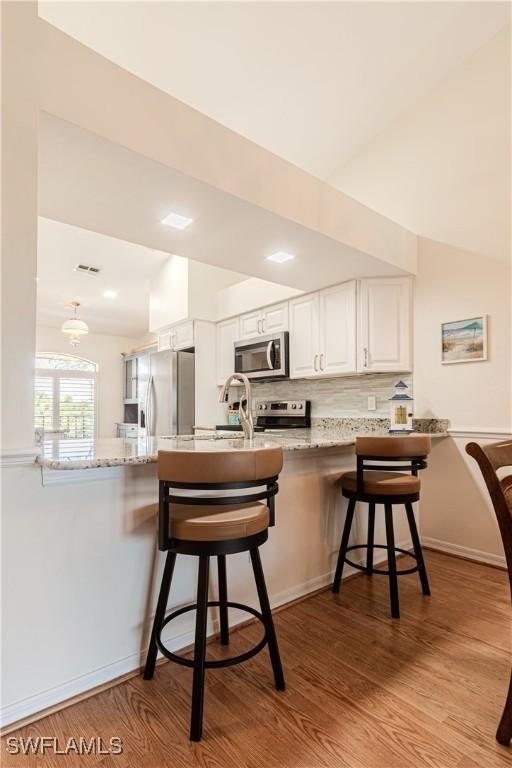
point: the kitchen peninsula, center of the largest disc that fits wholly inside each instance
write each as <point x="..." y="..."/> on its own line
<point x="65" y="454"/>
<point x="99" y="503"/>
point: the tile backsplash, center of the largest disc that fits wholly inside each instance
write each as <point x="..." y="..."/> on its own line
<point x="342" y="396"/>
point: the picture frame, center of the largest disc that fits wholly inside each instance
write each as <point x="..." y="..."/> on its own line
<point x="464" y="341"/>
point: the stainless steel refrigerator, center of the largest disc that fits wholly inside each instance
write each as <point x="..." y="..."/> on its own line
<point x="166" y="394"/>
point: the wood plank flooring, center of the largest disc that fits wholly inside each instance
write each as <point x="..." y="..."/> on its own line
<point x="363" y="691"/>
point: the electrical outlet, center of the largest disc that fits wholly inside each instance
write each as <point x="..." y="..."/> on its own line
<point x="372" y="403"/>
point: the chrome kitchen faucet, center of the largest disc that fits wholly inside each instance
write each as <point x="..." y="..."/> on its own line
<point x="245" y="407"/>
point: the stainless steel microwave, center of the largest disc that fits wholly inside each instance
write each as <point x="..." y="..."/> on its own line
<point x="264" y="357"/>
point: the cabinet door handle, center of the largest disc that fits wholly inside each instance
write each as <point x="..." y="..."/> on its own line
<point x="259" y="327"/>
<point x="315" y="363"/>
<point x="322" y="361"/>
<point x="365" y="364"/>
<point x="263" y="325"/>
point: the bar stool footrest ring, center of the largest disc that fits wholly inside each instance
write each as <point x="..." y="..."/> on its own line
<point x="213" y="663"/>
<point x="383" y="571"/>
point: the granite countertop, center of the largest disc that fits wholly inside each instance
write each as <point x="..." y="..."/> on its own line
<point x="117" y="451"/>
<point x="60" y="453"/>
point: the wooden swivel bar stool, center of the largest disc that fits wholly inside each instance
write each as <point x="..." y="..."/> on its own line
<point x="374" y="483"/>
<point x="200" y="522"/>
<point x="495" y="461"/>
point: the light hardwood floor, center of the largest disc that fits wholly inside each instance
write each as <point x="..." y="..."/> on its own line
<point x="363" y="691"/>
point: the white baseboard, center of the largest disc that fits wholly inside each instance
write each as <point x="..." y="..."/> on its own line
<point x="64" y="693"/>
<point x="471" y="554"/>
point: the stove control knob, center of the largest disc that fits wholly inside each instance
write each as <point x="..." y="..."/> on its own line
<point x="294" y="406"/>
<point x="300" y="406"/>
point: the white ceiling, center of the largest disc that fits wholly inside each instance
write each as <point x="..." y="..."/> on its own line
<point x="125" y="268"/>
<point x="90" y="182"/>
<point x="312" y="82"/>
<point x="443" y="169"/>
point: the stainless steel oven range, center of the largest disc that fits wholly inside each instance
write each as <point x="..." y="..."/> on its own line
<point x="282" y="414"/>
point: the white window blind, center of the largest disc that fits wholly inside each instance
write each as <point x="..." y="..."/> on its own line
<point x="65" y="395"/>
<point x="44" y="402"/>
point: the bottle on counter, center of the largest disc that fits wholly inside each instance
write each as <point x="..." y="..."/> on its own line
<point x="234" y="413"/>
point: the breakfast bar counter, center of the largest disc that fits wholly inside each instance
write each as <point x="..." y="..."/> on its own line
<point x="91" y="454"/>
<point x="63" y="454"/>
<point x="88" y="521"/>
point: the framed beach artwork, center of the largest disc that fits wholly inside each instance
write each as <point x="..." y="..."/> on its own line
<point x="464" y="341"/>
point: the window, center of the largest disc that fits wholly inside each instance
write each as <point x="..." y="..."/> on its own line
<point x="65" y="395"/>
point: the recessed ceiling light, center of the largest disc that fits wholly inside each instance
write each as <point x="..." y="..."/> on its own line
<point x="280" y="257"/>
<point x="108" y="294"/>
<point x="176" y="220"/>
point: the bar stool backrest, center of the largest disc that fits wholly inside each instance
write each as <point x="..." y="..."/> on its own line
<point x="394" y="446"/>
<point x="202" y="473"/>
<point x="391" y="453"/>
<point x="490" y="459"/>
<point x="206" y="467"/>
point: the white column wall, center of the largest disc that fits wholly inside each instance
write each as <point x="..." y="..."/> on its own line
<point x="19" y="221"/>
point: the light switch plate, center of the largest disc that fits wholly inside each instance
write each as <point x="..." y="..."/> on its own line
<point x="372" y="403"/>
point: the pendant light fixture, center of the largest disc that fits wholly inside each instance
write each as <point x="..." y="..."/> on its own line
<point x="74" y="327"/>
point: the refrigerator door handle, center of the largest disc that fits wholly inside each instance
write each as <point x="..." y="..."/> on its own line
<point x="149" y="407"/>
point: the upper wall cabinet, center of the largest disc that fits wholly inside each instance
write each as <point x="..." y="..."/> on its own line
<point x="323" y="332"/>
<point x="385" y="320"/>
<point x="183" y="335"/>
<point x="272" y="319"/>
<point x="338" y="329"/>
<point x="178" y="337"/>
<point x="304" y="336"/>
<point x="228" y="331"/>
<point x="356" y="327"/>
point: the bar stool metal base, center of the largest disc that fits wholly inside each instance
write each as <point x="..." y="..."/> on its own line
<point x="382" y="571"/>
<point x="392" y="571"/>
<point x="199" y="663"/>
<point x="212" y="664"/>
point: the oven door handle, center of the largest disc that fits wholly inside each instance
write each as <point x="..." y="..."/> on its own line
<point x="269" y="355"/>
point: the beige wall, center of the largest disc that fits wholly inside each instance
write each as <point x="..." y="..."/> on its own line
<point x="105" y="351"/>
<point x="452" y="285"/>
<point x="456" y="512"/>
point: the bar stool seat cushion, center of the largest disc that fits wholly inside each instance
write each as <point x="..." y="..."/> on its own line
<point x="217" y="523"/>
<point x="382" y="483"/>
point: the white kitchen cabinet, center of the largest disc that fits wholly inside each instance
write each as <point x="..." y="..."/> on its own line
<point x="323" y="332"/>
<point x="164" y="341"/>
<point x="304" y="336"/>
<point x="385" y="320"/>
<point x="250" y="324"/>
<point x="273" y="319"/>
<point x="177" y="337"/>
<point x="228" y="331"/>
<point x="183" y="335"/>
<point x="337" y="342"/>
